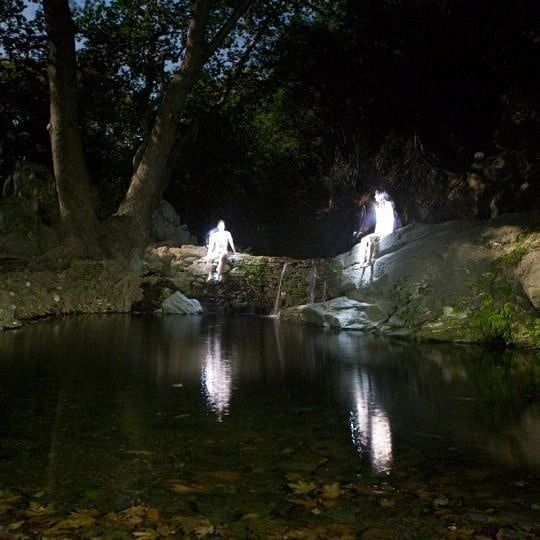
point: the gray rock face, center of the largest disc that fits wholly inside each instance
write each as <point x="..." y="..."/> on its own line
<point x="456" y="281"/>
<point x="166" y="226"/>
<point x="340" y="313"/>
<point x="250" y="283"/>
<point x="528" y="273"/>
<point x="449" y="255"/>
<point x="178" y="304"/>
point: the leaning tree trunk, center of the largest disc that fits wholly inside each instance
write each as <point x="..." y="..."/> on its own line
<point x="72" y="180"/>
<point x="151" y="174"/>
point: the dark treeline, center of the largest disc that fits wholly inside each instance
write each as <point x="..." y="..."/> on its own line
<point x="305" y="107"/>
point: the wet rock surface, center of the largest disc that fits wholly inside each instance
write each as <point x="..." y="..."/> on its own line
<point x="166" y="226"/>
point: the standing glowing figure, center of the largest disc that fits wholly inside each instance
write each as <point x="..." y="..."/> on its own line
<point x="384" y="214"/>
<point x="385" y="224"/>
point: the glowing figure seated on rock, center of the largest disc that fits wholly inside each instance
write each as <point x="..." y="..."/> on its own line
<point x="218" y="249"/>
<point x="384" y="225"/>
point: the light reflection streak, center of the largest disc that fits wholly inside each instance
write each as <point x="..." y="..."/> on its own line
<point x="370" y="428"/>
<point x="216" y="377"/>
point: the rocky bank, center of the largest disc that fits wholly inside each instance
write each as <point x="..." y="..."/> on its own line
<point x="456" y="281"/>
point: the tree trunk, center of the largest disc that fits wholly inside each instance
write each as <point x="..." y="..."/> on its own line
<point x="72" y="179"/>
<point x="149" y="179"/>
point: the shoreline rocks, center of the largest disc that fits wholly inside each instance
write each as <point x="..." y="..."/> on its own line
<point x="179" y="304"/>
<point x="472" y="282"/>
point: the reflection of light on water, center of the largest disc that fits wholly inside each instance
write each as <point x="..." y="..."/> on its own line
<point x="216" y="378"/>
<point x="381" y="443"/>
<point x="370" y="428"/>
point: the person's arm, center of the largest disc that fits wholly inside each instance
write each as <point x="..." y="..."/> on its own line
<point x="211" y="246"/>
<point x="229" y="238"/>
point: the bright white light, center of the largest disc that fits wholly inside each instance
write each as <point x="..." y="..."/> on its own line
<point x="370" y="428"/>
<point x="359" y="418"/>
<point x="381" y="443"/>
<point x="216" y="378"/>
<point x="384" y="214"/>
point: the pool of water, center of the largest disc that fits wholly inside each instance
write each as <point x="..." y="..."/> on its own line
<point x="244" y="416"/>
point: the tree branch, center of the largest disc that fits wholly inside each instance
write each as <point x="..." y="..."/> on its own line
<point x="222" y="33"/>
<point x="246" y="55"/>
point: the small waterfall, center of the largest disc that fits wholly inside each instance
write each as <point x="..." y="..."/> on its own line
<point x="275" y="311"/>
<point x="312" y="282"/>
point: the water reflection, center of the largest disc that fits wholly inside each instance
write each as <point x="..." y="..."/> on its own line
<point x="216" y="374"/>
<point x="89" y="394"/>
<point x="369" y="425"/>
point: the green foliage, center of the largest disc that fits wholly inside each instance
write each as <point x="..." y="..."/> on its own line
<point x="255" y="273"/>
<point x="522" y="247"/>
<point x="493" y="320"/>
<point x="128" y="50"/>
<point x="305" y="105"/>
<point x="499" y="316"/>
<point x="24" y="108"/>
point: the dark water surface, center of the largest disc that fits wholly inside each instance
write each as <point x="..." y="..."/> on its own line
<point x="226" y="417"/>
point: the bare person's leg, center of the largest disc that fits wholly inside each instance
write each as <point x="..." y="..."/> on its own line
<point x="221" y="263"/>
<point x="209" y="270"/>
<point x="364" y="248"/>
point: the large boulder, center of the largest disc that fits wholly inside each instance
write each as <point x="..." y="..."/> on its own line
<point x="340" y="313"/>
<point x="166" y="226"/>
<point x="178" y="304"/>
<point x="455" y="281"/>
<point x="528" y="273"/>
<point x="450" y="255"/>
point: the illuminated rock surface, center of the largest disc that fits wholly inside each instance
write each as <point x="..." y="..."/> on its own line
<point x="340" y="313"/>
<point x="457" y="281"/>
<point x="528" y="273"/>
<point x="179" y="304"/>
